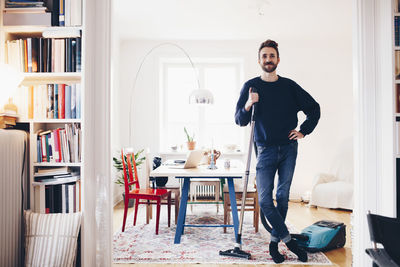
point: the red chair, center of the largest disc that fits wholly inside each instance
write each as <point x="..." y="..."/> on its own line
<point x="152" y="196"/>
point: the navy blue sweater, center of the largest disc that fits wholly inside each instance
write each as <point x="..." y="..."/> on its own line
<point x="279" y="103"/>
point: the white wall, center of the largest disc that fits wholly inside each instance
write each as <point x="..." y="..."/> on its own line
<point x="321" y="66"/>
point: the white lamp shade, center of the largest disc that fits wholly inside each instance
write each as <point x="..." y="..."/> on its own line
<point x="201" y="97"/>
<point x="10" y="79"/>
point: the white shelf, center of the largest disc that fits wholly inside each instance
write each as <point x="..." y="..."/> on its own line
<point x="57" y="164"/>
<point x="397" y="114"/>
<point x="32" y="29"/>
<point x="34" y="78"/>
<point x="51" y="121"/>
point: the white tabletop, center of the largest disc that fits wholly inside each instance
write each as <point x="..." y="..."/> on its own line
<point x="236" y="170"/>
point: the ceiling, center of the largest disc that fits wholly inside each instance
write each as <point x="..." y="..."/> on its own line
<point x="230" y="19"/>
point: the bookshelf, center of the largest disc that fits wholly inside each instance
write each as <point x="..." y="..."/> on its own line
<point x="68" y="73"/>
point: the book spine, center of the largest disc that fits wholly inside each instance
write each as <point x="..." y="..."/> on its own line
<point x="58" y="138"/>
<point x="44" y="151"/>
<point x="73" y="101"/>
<point x="73" y="54"/>
<point x="48" y="148"/>
<point x="49" y="55"/>
<point x="56" y="101"/>
<point x="35" y="54"/>
<point x="25" y="55"/>
<point x="68" y="102"/>
<point x="50" y="101"/>
<point x="38" y="152"/>
<point x="53" y="57"/>
<point x="29" y="53"/>
<point x="61" y="101"/>
<point x="40" y="57"/>
<point x="62" y="55"/>
<point x="62" y="13"/>
<point x="78" y="54"/>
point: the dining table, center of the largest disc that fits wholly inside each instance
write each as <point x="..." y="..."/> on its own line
<point x="235" y="171"/>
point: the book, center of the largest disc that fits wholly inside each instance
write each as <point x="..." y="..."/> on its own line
<point x="50" y="101"/>
<point x="39" y="199"/>
<point x="53" y="170"/>
<point x="58" y="139"/>
<point x="49" y="55"/>
<point x="53" y="7"/>
<point x="55" y="181"/>
<point x="78" y="54"/>
<point x="25" y="10"/>
<point x="56" y="101"/>
<point x="68" y="100"/>
<point x="73" y="101"/>
<point x="61" y="101"/>
<point x="61" y="13"/>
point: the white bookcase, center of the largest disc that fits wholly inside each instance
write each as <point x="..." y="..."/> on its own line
<point x="42" y="78"/>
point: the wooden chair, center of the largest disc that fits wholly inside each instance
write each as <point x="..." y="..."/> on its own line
<point x="251" y="203"/>
<point x="175" y="191"/>
<point x="151" y="196"/>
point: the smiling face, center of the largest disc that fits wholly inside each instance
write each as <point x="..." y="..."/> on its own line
<point x="268" y="59"/>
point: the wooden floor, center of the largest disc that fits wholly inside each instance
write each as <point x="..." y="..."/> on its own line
<point x="299" y="215"/>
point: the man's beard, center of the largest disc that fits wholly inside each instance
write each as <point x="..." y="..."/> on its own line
<point x="264" y="67"/>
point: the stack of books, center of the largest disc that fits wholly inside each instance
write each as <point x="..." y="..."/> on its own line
<point x="57" y="190"/>
<point x="59" y="145"/>
<point x="45" y="54"/>
<point x="26" y="12"/>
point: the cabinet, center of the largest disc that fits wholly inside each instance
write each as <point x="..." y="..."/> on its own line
<point x="50" y="59"/>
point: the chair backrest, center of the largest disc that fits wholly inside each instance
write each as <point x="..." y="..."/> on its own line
<point x="130" y="177"/>
<point x="386" y="231"/>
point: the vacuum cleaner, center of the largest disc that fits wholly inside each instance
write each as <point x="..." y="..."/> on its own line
<point x="237" y="251"/>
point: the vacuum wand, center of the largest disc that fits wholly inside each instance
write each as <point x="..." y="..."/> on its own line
<point x="237" y="251"/>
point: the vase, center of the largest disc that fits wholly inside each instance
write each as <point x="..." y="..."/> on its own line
<point x="191" y="145"/>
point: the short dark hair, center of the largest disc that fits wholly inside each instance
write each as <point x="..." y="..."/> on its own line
<point x="269" y="43"/>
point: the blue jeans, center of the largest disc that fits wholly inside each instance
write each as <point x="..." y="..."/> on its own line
<point x="281" y="158"/>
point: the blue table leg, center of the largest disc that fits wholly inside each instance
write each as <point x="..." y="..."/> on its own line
<point x="232" y="199"/>
<point x="182" y="211"/>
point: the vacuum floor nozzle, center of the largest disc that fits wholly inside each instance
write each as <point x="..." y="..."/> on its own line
<point x="236" y="252"/>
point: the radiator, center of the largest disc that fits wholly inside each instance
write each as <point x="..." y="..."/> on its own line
<point x="12" y="146"/>
<point x="204" y="189"/>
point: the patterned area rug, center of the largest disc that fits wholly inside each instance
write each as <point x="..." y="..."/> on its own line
<point x="140" y="244"/>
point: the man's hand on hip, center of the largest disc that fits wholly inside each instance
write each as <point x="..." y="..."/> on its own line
<point x="253" y="98"/>
<point x="295" y="135"/>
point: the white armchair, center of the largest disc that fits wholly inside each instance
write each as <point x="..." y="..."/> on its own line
<point x="335" y="189"/>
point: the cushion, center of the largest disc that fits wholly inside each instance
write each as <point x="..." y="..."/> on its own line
<point x="51" y="239"/>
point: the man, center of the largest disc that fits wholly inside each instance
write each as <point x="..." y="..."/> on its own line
<point x="279" y="100"/>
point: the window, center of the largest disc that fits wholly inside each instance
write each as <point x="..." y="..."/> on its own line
<point x="212" y="124"/>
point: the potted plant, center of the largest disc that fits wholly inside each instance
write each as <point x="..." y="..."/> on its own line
<point x="120" y="170"/>
<point x="191" y="144"/>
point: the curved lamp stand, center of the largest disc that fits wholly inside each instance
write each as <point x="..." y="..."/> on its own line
<point x="198" y="96"/>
